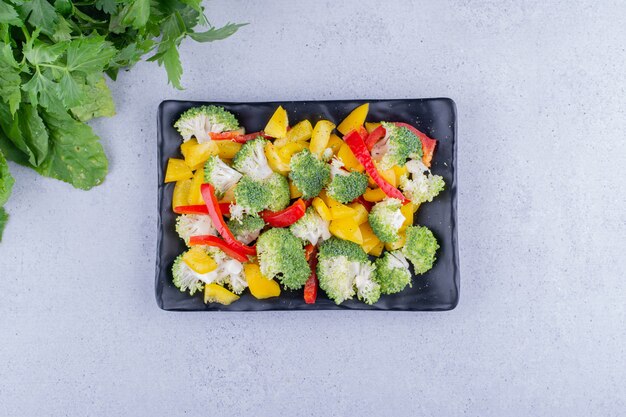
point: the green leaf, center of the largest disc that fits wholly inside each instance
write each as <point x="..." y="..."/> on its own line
<point x="41" y="14"/>
<point x="76" y="156"/>
<point x="10" y="79"/>
<point x="11" y="151"/>
<point x="9" y="15"/>
<point x="6" y="181"/>
<point x="26" y="131"/>
<point x="97" y="103"/>
<point x="63" y="31"/>
<point x="4" y="218"/>
<point x="89" y="55"/>
<point x="41" y="90"/>
<point x="69" y="91"/>
<point x="137" y="13"/>
<point x="107" y="6"/>
<point x="216" y="34"/>
<point x="171" y="61"/>
<point x="64" y="7"/>
<point x="38" y="52"/>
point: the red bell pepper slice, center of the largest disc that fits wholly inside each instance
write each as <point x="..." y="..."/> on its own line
<point x="310" y="287"/>
<point x="236" y="137"/>
<point x="201" y="209"/>
<point x="208" y="194"/>
<point x="367" y="204"/>
<point x="376" y="135"/>
<point x="210" y="240"/>
<point x="358" y="148"/>
<point x="428" y="144"/>
<point x="285" y="217"/>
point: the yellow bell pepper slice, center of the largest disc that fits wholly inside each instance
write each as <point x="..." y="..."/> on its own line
<point x="371" y="126"/>
<point x="374" y="195"/>
<point x="194" y="190"/>
<point x="226" y="149"/>
<point x="415" y="207"/>
<point x="397" y="244"/>
<point x="321" y="136"/>
<point x="334" y="143"/>
<point x="177" y="170"/>
<point x="349" y="160"/>
<point x="354" y="120"/>
<point x="214" y="293"/>
<point x="322" y="209"/>
<point x="293" y="190"/>
<point x="300" y="132"/>
<point x="260" y="286"/>
<point x="185" y="147"/>
<point x="199" y="260"/>
<point x="361" y="212"/>
<point x="400" y="172"/>
<point x="347" y="229"/>
<point x="370" y="240"/>
<point x="277" y="125"/>
<point x="376" y="250"/>
<point x="180" y="196"/>
<point x="407" y="212"/>
<point x="286" y="152"/>
<point x="337" y="210"/>
<point x="274" y="160"/>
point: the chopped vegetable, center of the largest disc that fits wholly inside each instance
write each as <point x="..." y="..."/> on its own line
<point x="188" y="225"/>
<point x="345" y="186"/>
<point x="214" y="293"/>
<point x="321" y="208"/>
<point x="300" y="132"/>
<point x="309" y="174"/>
<point x="348" y="160"/>
<point x="311" y="284"/>
<point x="285" y="217"/>
<point x="374" y="136"/>
<point x="196" y="154"/>
<point x="199" y="121"/>
<point x="177" y="170"/>
<point x="255" y="196"/>
<point x="231" y="250"/>
<point x="354" y="120"/>
<point x="344" y="270"/>
<point x="386" y="219"/>
<point x="422" y="186"/>
<point x="220" y="175"/>
<point x="420" y="248"/>
<point x="346" y="228"/>
<point x="355" y="141"/>
<point x="428" y="144"/>
<point x="398" y="144"/>
<point x="281" y="255"/>
<point x="278" y="123"/>
<point x="392" y="272"/>
<point x="320" y="137"/>
<point x="260" y="287"/>
<point x="251" y="160"/>
<point x="185" y="278"/>
<point x="199" y="260"/>
<point x="180" y="196"/>
<point x="247" y="228"/>
<point x="311" y="227"/>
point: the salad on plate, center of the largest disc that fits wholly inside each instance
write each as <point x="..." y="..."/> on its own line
<point x="303" y="206"/>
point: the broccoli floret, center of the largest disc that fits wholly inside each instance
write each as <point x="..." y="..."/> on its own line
<point x="199" y="121"/>
<point x="392" y="272"/>
<point x="311" y="227"/>
<point x="345" y="186"/>
<point x="308" y="173"/>
<point x="186" y="278"/>
<point x="247" y="228"/>
<point x="386" y="219"/>
<point x="220" y="175"/>
<point x="344" y="270"/>
<point x="254" y="196"/>
<point x="281" y="255"/>
<point x="251" y="160"/>
<point x="422" y="186"/>
<point x="398" y="144"/>
<point x="420" y="248"/>
<point x="188" y="225"/>
<point x="278" y="186"/>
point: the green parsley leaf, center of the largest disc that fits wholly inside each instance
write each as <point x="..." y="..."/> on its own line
<point x="9" y="15"/>
<point x="137" y="13"/>
<point x="76" y="155"/>
<point x="216" y="34"/>
<point x="89" y="54"/>
<point x="69" y="91"/>
<point x="10" y="79"/>
<point x="41" y="90"/>
<point x="6" y="181"/>
<point x="41" y="14"/>
<point x="38" y="52"/>
<point x="107" y="6"/>
<point x="171" y="61"/>
<point x="26" y="131"/>
<point x="97" y="103"/>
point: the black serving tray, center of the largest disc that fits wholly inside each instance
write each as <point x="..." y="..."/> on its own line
<point x="438" y="289"/>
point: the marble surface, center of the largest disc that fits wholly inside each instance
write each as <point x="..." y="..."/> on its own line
<point x="541" y="325"/>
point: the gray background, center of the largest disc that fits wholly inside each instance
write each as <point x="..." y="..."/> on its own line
<point x="540" y="328"/>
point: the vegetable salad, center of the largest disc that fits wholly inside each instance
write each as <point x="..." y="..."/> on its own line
<point x="300" y="206"/>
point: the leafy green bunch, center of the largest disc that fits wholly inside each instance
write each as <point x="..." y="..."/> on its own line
<point x="53" y="58"/>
